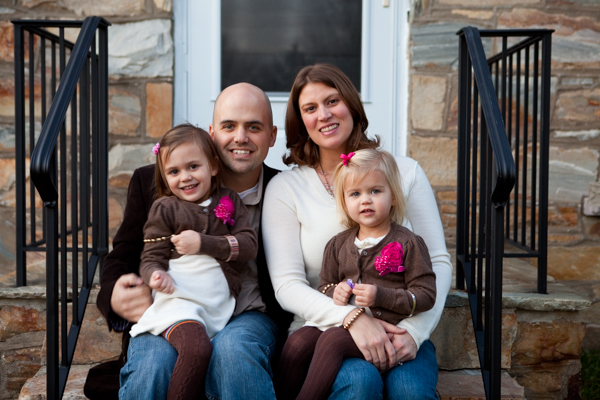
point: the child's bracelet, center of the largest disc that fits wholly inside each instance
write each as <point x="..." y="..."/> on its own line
<point x="326" y="288"/>
<point x="160" y="239"/>
<point x="234" y="248"/>
<point x="349" y="323"/>
<point x="414" y="304"/>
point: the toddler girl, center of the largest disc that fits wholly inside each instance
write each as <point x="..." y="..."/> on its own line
<point x="197" y="239"/>
<point x="384" y="265"/>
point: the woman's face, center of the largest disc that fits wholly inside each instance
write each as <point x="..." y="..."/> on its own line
<point x="327" y="118"/>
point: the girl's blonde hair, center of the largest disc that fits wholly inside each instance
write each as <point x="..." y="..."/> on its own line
<point x="176" y="136"/>
<point x="360" y="165"/>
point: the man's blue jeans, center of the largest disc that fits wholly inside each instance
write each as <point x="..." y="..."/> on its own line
<point x="240" y="366"/>
<point x="416" y="379"/>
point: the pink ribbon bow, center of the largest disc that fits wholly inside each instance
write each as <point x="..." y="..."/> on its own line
<point x="346" y="158"/>
<point x="390" y="259"/>
<point x="156" y="148"/>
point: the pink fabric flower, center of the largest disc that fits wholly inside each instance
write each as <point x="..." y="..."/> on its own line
<point x="156" y="148"/>
<point x="224" y="211"/>
<point x="390" y="259"/>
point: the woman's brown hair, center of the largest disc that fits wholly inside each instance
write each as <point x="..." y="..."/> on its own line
<point x="176" y="136"/>
<point x="304" y="151"/>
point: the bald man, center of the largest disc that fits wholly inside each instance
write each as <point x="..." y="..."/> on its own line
<point x="240" y="367"/>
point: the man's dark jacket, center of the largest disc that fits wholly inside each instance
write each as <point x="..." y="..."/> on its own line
<point x="103" y="380"/>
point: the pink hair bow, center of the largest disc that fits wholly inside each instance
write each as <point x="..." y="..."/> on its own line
<point x="346" y="158"/>
<point x="156" y="148"/>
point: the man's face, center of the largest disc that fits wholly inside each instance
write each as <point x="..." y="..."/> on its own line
<point x="242" y="129"/>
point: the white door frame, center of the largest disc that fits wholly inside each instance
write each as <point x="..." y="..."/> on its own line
<point x="197" y="37"/>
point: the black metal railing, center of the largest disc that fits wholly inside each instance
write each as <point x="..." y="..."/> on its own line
<point x="489" y="211"/>
<point x="69" y="170"/>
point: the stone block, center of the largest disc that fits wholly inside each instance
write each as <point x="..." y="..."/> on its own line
<point x="574" y="263"/>
<point x="591" y="226"/>
<point x="468" y="385"/>
<point x="454" y="339"/>
<point x="96" y="344"/>
<point x="447" y="195"/>
<point x="16" y="320"/>
<point x="18" y="366"/>
<point x="553" y="381"/>
<point x="437" y="156"/>
<point x="435" y="45"/>
<point x="105" y="8"/>
<point x="7" y="50"/>
<point x="120" y="180"/>
<point x="7" y="98"/>
<point x="578" y="106"/>
<point x="591" y="341"/>
<point x="547" y="338"/>
<point x="164" y="5"/>
<point x="124" y="112"/>
<point x="35" y="388"/>
<point x="575" y="42"/>
<point x="486" y="3"/>
<point x="126" y="158"/>
<point x="427" y="102"/>
<point x="563" y="238"/>
<point x="7" y="173"/>
<point x="7" y="137"/>
<point x="141" y="49"/>
<point x="577" y="81"/>
<point x="159" y="108"/>
<point x="578" y="134"/>
<point x="474" y="14"/>
<point x="571" y="170"/>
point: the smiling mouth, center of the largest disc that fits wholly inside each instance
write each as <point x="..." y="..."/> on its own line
<point x="241" y="152"/>
<point x="367" y="211"/>
<point x="329" y="128"/>
<point x="189" y="187"/>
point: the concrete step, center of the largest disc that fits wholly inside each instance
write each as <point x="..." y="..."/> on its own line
<point x="468" y="385"/>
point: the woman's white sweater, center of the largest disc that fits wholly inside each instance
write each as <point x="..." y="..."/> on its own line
<point x="298" y="219"/>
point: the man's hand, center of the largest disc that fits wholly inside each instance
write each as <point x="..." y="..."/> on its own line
<point x="131" y="297"/>
<point x="365" y="294"/>
<point x="341" y="294"/>
<point x="187" y="242"/>
<point x="161" y="281"/>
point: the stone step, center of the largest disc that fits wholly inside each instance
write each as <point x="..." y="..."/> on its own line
<point x="468" y="385"/>
<point x="35" y="388"/>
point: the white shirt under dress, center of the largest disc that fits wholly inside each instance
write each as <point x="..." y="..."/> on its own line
<point x="201" y="294"/>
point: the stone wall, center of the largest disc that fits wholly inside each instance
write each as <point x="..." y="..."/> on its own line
<point x="574" y="239"/>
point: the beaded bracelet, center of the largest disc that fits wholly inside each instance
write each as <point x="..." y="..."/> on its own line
<point x="326" y="288"/>
<point x="234" y="248"/>
<point x="160" y="239"/>
<point x="414" y="304"/>
<point x="349" y="323"/>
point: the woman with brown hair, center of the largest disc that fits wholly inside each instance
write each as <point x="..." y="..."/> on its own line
<point x="324" y="119"/>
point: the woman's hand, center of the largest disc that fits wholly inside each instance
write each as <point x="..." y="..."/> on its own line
<point x="403" y="342"/>
<point x="130" y="297"/>
<point x="372" y="340"/>
<point x="341" y="294"/>
<point x="187" y="242"/>
<point x="365" y="294"/>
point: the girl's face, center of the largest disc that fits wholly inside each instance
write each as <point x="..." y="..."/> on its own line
<point x="327" y="119"/>
<point x="188" y="172"/>
<point x="369" y="202"/>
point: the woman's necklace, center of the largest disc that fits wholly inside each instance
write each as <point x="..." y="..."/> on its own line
<point x="325" y="182"/>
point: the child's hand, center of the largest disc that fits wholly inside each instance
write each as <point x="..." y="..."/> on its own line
<point x="365" y="294"/>
<point x="161" y="281"/>
<point x="187" y="242"/>
<point x="341" y="294"/>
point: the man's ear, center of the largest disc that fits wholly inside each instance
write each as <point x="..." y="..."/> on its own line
<point x="214" y="167"/>
<point x="273" y="136"/>
<point x="211" y="132"/>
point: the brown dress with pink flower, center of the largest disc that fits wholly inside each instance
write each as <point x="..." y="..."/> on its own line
<point x="400" y="267"/>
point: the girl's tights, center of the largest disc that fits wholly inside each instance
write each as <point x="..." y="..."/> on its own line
<point x="194" y="349"/>
<point x="314" y="355"/>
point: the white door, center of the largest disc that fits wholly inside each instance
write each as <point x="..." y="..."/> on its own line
<point x="383" y="70"/>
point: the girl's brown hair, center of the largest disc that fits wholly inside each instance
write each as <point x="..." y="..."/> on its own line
<point x="178" y="135"/>
<point x="304" y="151"/>
<point x="360" y="165"/>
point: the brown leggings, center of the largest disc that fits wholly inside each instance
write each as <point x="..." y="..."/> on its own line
<point x="314" y="355"/>
<point x="194" y="349"/>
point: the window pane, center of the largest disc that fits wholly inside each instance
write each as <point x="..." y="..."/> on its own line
<point x="266" y="42"/>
